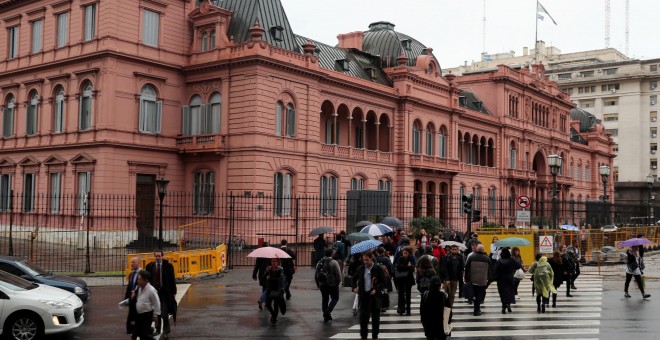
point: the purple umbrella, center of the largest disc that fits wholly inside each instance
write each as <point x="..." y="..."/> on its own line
<point x="634" y="242"/>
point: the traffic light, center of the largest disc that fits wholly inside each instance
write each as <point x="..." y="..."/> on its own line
<point x="476" y="215"/>
<point x="467" y="203"/>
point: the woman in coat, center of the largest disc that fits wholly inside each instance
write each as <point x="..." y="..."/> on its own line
<point x="275" y="290"/>
<point x="569" y="268"/>
<point x="515" y="255"/>
<point x="505" y="267"/>
<point x="403" y="272"/>
<point x="431" y="311"/>
<point x="543" y="278"/>
<point x="425" y="273"/>
<point x="558" y="268"/>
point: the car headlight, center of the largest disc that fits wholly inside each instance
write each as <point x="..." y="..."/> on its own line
<point x="56" y="304"/>
<point x="78" y="290"/>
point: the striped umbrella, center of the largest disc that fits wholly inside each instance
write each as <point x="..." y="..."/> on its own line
<point x="376" y="229"/>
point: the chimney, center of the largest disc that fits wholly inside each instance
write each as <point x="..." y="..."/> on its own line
<point x="525" y="51"/>
<point x="540" y="47"/>
<point x="351" y="40"/>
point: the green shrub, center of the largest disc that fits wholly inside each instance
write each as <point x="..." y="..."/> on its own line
<point x="431" y="224"/>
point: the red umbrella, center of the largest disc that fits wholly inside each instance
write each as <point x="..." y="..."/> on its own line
<point x="270" y="253"/>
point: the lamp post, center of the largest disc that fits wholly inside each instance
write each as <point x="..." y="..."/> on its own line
<point x="650" y="179"/>
<point x="554" y="162"/>
<point x="604" y="171"/>
<point x="162" y="191"/>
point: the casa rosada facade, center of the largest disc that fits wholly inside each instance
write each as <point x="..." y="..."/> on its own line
<point x="222" y="96"/>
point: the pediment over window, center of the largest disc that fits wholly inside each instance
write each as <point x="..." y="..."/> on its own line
<point x="208" y="17"/>
<point x="29" y="161"/>
<point x="54" y="160"/>
<point x="6" y="161"/>
<point x="82" y="158"/>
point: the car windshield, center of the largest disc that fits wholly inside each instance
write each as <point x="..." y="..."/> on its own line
<point x="32" y="269"/>
<point x="15" y="283"/>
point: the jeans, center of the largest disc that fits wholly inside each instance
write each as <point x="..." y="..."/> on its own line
<point x="329" y="293"/>
<point x="287" y="284"/>
<point x="262" y="297"/>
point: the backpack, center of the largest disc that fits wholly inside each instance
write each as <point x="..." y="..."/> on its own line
<point x="323" y="271"/>
<point x="338" y="250"/>
<point x="386" y="273"/>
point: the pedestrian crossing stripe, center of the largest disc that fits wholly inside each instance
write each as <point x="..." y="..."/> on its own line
<point x="577" y="317"/>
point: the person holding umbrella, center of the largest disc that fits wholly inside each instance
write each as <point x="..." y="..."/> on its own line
<point x="319" y="248"/>
<point x="274" y="278"/>
<point x="259" y="273"/>
<point x="635" y="267"/>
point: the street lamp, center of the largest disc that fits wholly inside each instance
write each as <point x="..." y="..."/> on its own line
<point x="604" y="171"/>
<point x="650" y="179"/>
<point x="162" y="191"/>
<point x="554" y="162"/>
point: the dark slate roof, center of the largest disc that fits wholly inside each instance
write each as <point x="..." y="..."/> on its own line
<point x="473" y="103"/>
<point x="575" y="137"/>
<point x="359" y="62"/>
<point x="383" y="41"/>
<point x="270" y="13"/>
<point x="587" y="120"/>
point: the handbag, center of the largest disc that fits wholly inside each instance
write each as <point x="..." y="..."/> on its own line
<point x="275" y="294"/>
<point x="519" y="274"/>
<point x="446" y="320"/>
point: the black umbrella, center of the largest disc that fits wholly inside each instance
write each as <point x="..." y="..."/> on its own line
<point x="361" y="224"/>
<point x="392" y="221"/>
<point x="321" y="230"/>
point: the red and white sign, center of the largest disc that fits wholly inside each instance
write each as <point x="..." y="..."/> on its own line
<point x="545" y="244"/>
<point x="524" y="202"/>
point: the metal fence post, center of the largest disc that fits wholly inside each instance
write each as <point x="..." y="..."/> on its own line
<point x="87" y="255"/>
<point x="230" y="255"/>
<point x="11" y="223"/>
<point x="296" y="220"/>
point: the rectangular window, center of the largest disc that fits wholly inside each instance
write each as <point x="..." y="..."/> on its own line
<point x="609" y="71"/>
<point x="328" y="196"/>
<point x="329" y="124"/>
<point x="62" y="29"/>
<point x="278" y="119"/>
<point x="442" y="145"/>
<point x="653" y="147"/>
<point x="37" y="36"/>
<point x="282" y="194"/>
<point x="654" y="163"/>
<point x="5" y="192"/>
<point x="586" y="103"/>
<point x="28" y="192"/>
<point x="653" y="115"/>
<point x="512" y="158"/>
<point x="568" y="90"/>
<point x="653" y="68"/>
<point x="587" y="73"/>
<point x="55" y="192"/>
<point x="58" y="116"/>
<point x="204" y="186"/>
<point x="85" y="112"/>
<point x="150" y="115"/>
<point x="384" y="185"/>
<point x="610" y="102"/>
<point x="461" y="192"/>
<point x="90" y="22"/>
<point x="150" y="24"/>
<point x="84" y="187"/>
<point x="654" y="132"/>
<point x="290" y="121"/>
<point x="615" y="147"/>
<point x="653" y="85"/>
<point x="613" y="132"/>
<point x="653" y="100"/>
<point x="12" y="42"/>
<point x="609" y="117"/>
<point x="564" y="76"/>
<point x="492" y="204"/>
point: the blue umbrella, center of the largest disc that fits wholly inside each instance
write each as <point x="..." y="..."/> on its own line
<point x="569" y="227"/>
<point x="376" y="229"/>
<point x="512" y="242"/>
<point x="364" y="246"/>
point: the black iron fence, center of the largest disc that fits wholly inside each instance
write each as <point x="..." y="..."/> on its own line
<point x="96" y="232"/>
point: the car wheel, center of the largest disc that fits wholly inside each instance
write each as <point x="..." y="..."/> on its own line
<point x="24" y="327"/>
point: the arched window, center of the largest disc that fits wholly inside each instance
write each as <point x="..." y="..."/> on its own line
<point x="442" y="143"/>
<point x="290" y="120"/>
<point x="204" y="189"/>
<point x="192" y="116"/>
<point x="492" y="201"/>
<point x="86" y="104"/>
<point x="215" y="114"/>
<point x="512" y="155"/>
<point x="357" y="183"/>
<point x="279" y="108"/>
<point x="282" y="193"/>
<point x="205" y="42"/>
<point x="285" y="121"/>
<point x="8" y="116"/>
<point x="416" y="139"/>
<point x="150" y="110"/>
<point x="385" y="185"/>
<point x="58" y="109"/>
<point x="212" y="40"/>
<point x="328" y="195"/>
<point x="32" y="114"/>
<point x="429" y="141"/>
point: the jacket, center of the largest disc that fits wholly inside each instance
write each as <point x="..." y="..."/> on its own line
<point x="402" y="266"/>
<point x="479" y="269"/>
<point x="167" y="289"/>
<point x="289" y="265"/>
<point x="377" y="278"/>
<point x="259" y="270"/>
<point x="334" y="273"/>
<point x="454" y="265"/>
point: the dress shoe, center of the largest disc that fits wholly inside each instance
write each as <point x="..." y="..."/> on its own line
<point x="503" y="310"/>
<point x="477" y="313"/>
<point x="408" y="312"/>
<point x="508" y="308"/>
<point x="626" y="295"/>
<point x="646" y="296"/>
<point x="569" y="295"/>
<point x="538" y="309"/>
<point x="573" y="287"/>
<point x="543" y="309"/>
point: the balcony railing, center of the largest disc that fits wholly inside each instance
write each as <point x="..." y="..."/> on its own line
<point x="350" y="152"/>
<point x="201" y="143"/>
<point x="434" y="163"/>
<point x="520" y="174"/>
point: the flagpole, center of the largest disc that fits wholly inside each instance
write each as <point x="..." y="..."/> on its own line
<point x="536" y="33"/>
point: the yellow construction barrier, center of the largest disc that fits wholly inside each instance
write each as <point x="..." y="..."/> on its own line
<point x="526" y="252"/>
<point x="188" y="263"/>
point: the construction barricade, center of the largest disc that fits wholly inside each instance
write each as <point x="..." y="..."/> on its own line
<point x="188" y="263"/>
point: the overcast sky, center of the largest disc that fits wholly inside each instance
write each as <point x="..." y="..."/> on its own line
<point x="454" y="28"/>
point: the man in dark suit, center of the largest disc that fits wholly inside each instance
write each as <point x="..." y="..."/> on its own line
<point x="289" y="266"/>
<point x="162" y="274"/>
<point x="259" y="273"/>
<point x="369" y="283"/>
<point x="131" y="285"/>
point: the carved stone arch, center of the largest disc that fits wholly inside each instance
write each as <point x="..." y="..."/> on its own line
<point x="287" y="96"/>
<point x="361" y="175"/>
<point x="288" y="169"/>
<point x="327" y="106"/>
<point x="331" y="172"/>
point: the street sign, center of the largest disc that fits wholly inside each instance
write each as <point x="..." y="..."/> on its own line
<point x="523" y="201"/>
<point x="545" y="244"/>
<point x="524" y="216"/>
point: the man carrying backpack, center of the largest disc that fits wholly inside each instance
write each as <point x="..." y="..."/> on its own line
<point x="339" y="252"/>
<point x="328" y="279"/>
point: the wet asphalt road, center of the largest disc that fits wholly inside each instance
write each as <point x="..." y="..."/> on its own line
<point x="226" y="308"/>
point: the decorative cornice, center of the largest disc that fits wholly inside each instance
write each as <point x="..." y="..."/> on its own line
<point x="58" y="76"/>
<point x="150" y="76"/>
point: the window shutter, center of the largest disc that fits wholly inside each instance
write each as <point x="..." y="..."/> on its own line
<point x="291" y="121"/>
<point x="62" y="29"/>
<point x="159" y="116"/>
<point x="203" y="121"/>
<point x="287" y="194"/>
<point x="30" y="119"/>
<point x="143" y="113"/>
<point x="37" y="36"/>
<point x="278" y="119"/>
<point x="185" y="122"/>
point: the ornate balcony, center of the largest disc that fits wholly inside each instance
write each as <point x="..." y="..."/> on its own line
<point x="350" y="152"/>
<point x="520" y="174"/>
<point x="201" y="143"/>
<point x="434" y="163"/>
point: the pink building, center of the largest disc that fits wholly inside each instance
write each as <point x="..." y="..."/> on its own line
<point x="107" y="96"/>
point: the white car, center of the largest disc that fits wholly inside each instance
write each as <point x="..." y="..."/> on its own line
<point x="29" y="310"/>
